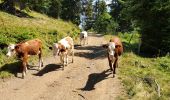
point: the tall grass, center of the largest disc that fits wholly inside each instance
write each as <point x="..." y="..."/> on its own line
<point x="15" y="29"/>
<point x="141" y="75"/>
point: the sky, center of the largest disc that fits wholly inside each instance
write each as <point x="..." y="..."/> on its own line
<point x="108" y="1"/>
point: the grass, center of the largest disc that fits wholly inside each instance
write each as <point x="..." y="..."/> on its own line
<point x="139" y="73"/>
<point x="15" y="29"/>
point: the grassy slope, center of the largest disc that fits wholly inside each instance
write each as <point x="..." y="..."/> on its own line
<point x="139" y="73"/>
<point x="14" y="29"/>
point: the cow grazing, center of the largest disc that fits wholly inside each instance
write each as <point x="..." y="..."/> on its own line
<point x="24" y="49"/>
<point x="63" y="48"/>
<point x="83" y="38"/>
<point x="114" y="50"/>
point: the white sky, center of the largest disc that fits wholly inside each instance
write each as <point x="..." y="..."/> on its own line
<point x="108" y="1"/>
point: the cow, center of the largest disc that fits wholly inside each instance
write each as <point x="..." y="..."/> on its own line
<point x="24" y="49"/>
<point x="83" y="38"/>
<point x="63" y="48"/>
<point x="114" y="50"/>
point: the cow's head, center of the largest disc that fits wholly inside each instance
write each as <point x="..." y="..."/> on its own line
<point x="11" y="50"/>
<point x="58" y="49"/>
<point x="111" y="48"/>
<point x="55" y="49"/>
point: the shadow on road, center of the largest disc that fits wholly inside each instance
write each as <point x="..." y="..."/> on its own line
<point x="48" y="68"/>
<point x="95" y="78"/>
<point x="12" y="68"/>
<point x="94" y="52"/>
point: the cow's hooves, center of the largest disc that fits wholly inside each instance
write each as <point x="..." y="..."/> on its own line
<point x="113" y="75"/>
<point x="16" y="74"/>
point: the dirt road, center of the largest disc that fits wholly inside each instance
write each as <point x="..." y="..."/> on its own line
<point x="88" y="78"/>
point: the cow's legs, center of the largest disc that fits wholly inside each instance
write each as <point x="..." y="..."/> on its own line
<point x="80" y="41"/>
<point x="24" y="65"/>
<point x="40" y="60"/>
<point x="62" y="61"/>
<point x="83" y="41"/>
<point x="72" y="54"/>
<point x="111" y="65"/>
<point x="28" y="67"/>
<point x="24" y="69"/>
<point x="86" y="40"/>
<point x="66" y="58"/>
<point x="115" y="65"/>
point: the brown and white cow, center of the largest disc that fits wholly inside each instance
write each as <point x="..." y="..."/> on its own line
<point x="83" y="38"/>
<point x="63" y="48"/>
<point x="24" y="49"/>
<point x="114" y="50"/>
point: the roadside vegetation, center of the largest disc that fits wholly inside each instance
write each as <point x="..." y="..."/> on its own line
<point x="14" y="29"/>
<point x="144" y="78"/>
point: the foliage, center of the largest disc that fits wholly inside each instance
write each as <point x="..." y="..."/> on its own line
<point x="105" y="24"/>
<point x="102" y="7"/>
<point x="117" y="11"/>
<point x="71" y="10"/>
<point x="55" y="8"/>
<point x="88" y="10"/>
<point x="40" y="5"/>
<point x="153" y="19"/>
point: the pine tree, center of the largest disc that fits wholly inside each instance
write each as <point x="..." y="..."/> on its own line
<point x="71" y="10"/>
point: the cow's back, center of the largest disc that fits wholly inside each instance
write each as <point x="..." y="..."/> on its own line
<point x="70" y="40"/>
<point x="30" y="47"/>
<point x="119" y="46"/>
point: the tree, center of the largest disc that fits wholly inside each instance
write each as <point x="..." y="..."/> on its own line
<point x="102" y="8"/>
<point x="87" y="10"/>
<point x="71" y="10"/>
<point x="105" y="24"/>
<point x="8" y="5"/>
<point x="117" y="12"/>
<point x="41" y="6"/>
<point x="55" y="8"/>
<point x="152" y="16"/>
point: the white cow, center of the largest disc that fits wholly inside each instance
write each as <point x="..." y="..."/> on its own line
<point x="83" y="38"/>
<point x="63" y="48"/>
